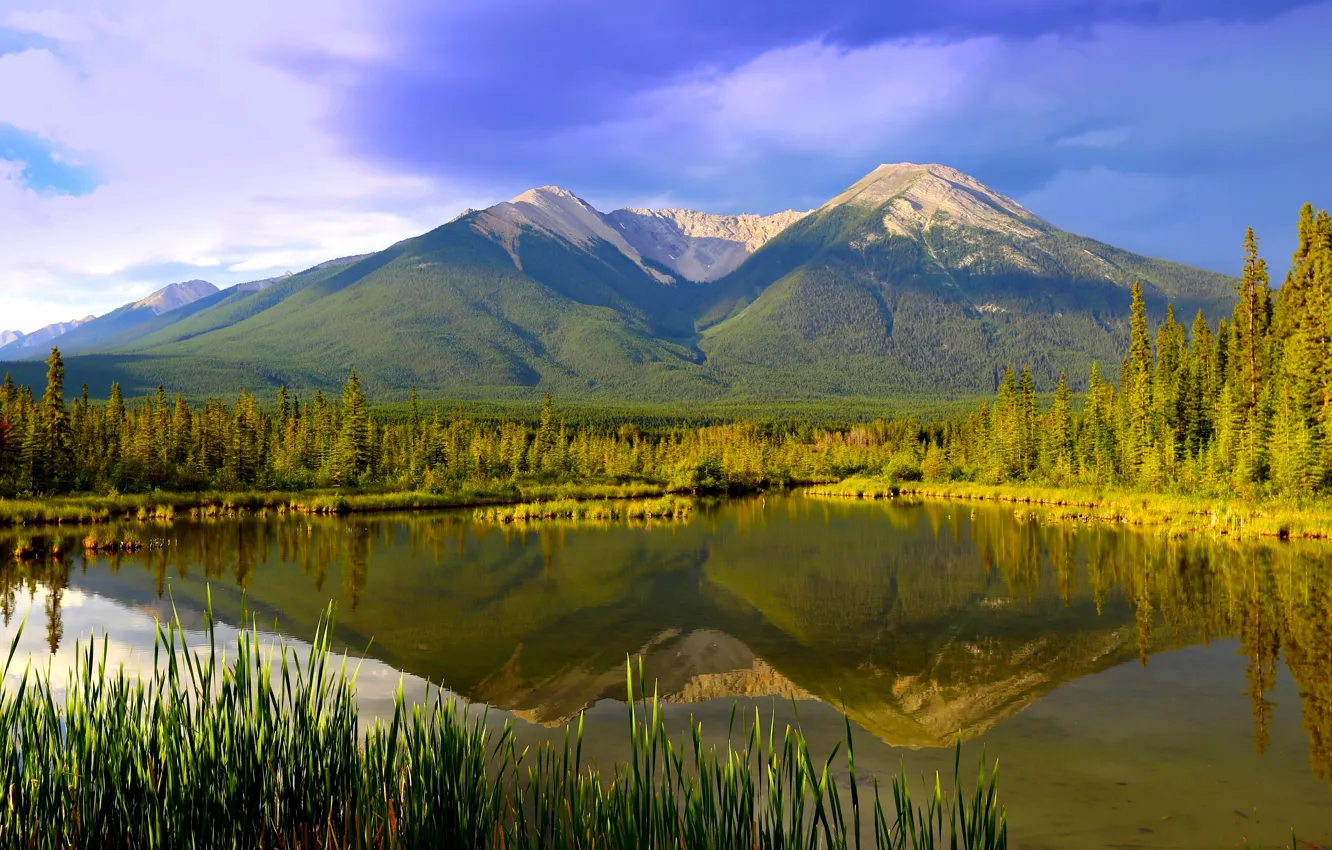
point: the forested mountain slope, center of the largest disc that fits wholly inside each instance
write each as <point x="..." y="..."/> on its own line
<point x="918" y="279"/>
<point x="919" y="276"/>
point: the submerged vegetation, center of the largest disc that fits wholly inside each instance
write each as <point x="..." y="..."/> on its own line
<point x="265" y="750"/>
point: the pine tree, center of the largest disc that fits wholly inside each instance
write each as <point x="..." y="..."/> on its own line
<point x="1100" y="427"/>
<point x="1004" y="451"/>
<point x="1296" y="464"/>
<point x="352" y="451"/>
<point x="115" y="423"/>
<point x="1028" y="413"/>
<point x="1060" y="430"/>
<point x="47" y="454"/>
<point x="1252" y="315"/>
<point x="1170" y="409"/>
<point x="1136" y="398"/>
<point x="1201" y="390"/>
<point x="544" y="443"/>
<point x="8" y="434"/>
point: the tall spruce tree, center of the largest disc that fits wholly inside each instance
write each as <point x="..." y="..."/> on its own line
<point x="1136" y="399"/>
<point x="352" y="451"/>
<point x="1060" y="431"/>
<point x="1252" y="315"/>
<point x="49" y="458"/>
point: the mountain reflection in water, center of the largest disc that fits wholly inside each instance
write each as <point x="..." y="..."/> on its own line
<point x="925" y="620"/>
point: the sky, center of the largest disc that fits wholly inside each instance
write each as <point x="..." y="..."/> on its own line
<point x="144" y="142"/>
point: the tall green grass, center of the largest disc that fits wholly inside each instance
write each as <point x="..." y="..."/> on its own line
<point x="263" y="749"/>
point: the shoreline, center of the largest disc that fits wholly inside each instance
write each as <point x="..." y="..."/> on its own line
<point x="1172" y="514"/>
<point x="88" y="510"/>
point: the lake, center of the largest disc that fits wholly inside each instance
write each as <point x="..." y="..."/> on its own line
<point x="1137" y="690"/>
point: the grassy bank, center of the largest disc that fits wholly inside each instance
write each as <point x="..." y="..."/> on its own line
<point x="90" y="509"/>
<point x="264" y="750"/>
<point x="1171" y="513"/>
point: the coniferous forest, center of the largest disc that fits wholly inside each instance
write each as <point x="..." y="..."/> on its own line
<point x="1242" y="410"/>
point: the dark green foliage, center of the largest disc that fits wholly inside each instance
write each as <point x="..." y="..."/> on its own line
<point x="297" y="443"/>
<point x="46" y="460"/>
<point x="1244" y="413"/>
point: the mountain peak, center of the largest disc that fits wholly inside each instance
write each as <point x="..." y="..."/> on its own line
<point x="175" y="295"/>
<point x="559" y="213"/>
<point x="44" y="335"/>
<point x="548" y="194"/>
<point x="913" y="194"/>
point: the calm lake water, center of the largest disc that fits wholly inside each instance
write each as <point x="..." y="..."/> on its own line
<point x="1138" y="691"/>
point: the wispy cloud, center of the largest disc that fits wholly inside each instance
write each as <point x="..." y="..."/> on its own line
<point x="207" y="152"/>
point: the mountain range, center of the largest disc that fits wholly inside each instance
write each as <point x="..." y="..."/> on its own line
<point x="917" y="280"/>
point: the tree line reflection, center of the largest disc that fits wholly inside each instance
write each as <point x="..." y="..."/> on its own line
<point x="891" y="596"/>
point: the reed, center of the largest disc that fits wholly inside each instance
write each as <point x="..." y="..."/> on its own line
<point x="263" y="749"/>
<point x="666" y="507"/>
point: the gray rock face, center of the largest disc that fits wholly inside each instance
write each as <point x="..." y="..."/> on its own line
<point x="695" y="246"/>
<point x="698" y="246"/>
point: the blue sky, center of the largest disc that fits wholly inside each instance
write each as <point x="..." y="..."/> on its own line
<point x="149" y="141"/>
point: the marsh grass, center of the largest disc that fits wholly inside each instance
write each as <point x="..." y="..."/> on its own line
<point x="166" y="507"/>
<point x="1173" y="514"/>
<point x="856" y="487"/>
<point x="264" y="749"/>
<point x="666" y="507"/>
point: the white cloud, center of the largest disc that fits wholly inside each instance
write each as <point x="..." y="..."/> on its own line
<point x="1212" y="114"/>
<point x="1157" y="86"/>
<point x="212" y="154"/>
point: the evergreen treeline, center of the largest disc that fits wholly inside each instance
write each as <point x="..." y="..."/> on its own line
<point x="51" y="447"/>
<point x="1245" y="408"/>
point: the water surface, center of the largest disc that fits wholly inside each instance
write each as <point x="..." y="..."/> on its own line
<point x="1139" y="691"/>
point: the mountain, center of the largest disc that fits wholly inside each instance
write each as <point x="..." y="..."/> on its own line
<point x="125" y="323"/>
<point x="17" y="343"/>
<point x="175" y="296"/>
<point x="920" y="277"/>
<point x="917" y="280"/>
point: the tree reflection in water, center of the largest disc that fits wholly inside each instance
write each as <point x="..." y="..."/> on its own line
<point x="922" y="618"/>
